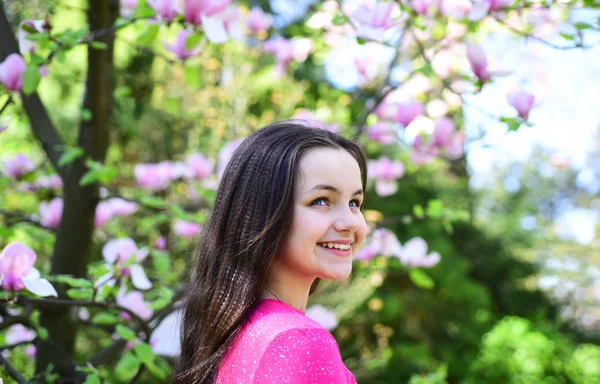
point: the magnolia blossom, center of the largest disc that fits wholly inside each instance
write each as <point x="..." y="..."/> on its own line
<point x="128" y="7"/>
<point x="283" y="50"/>
<point x="17" y="166"/>
<point x="115" y="206"/>
<point x="219" y="21"/>
<point x="444" y="139"/>
<point x="26" y="45"/>
<point x="422" y="153"/>
<point x="403" y="113"/>
<point x="424" y="7"/>
<point x="134" y="301"/>
<point x="478" y="61"/>
<point x="17" y="271"/>
<point x="116" y="253"/>
<point x="201" y="166"/>
<point x="11" y="72"/>
<point x="383" y="132"/>
<point x="179" y="47"/>
<point x="258" y="21"/>
<point x="325" y="317"/>
<point x="186" y="228"/>
<point x="373" y="20"/>
<point x="153" y="176"/>
<point x="161" y="243"/>
<point x="386" y="173"/>
<point x="414" y="254"/>
<point x="17" y="334"/>
<point x="49" y="182"/>
<point x="165" y="9"/>
<point x="458" y="9"/>
<point x="166" y="338"/>
<point x="382" y="242"/>
<point x="522" y="101"/>
<point x="51" y="213"/>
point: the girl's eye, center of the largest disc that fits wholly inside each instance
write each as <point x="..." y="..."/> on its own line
<point x="321" y="201"/>
<point x="355" y="203"/>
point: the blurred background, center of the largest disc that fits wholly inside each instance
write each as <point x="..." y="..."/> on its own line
<point x="480" y="120"/>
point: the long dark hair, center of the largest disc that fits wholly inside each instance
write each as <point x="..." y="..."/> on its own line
<point x="250" y="219"/>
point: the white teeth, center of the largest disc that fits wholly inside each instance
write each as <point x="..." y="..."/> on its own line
<point x="344" y="247"/>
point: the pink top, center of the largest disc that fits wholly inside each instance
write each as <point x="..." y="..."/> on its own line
<point x="279" y="344"/>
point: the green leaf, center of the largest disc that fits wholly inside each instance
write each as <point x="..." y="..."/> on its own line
<point x="73" y="282"/>
<point x="152" y="201"/>
<point x="512" y="122"/>
<point x="149" y="35"/>
<point x="193" y="40"/>
<point x="360" y="40"/>
<point x="92" y="378"/>
<point x="582" y="26"/>
<point x="191" y="76"/>
<point x="80" y="293"/>
<point x="125" y="332"/>
<point x="340" y="19"/>
<point x="86" y="114"/>
<point x="567" y="36"/>
<point x="70" y="155"/>
<point x="157" y="371"/>
<point x="144" y="12"/>
<point x="421" y="279"/>
<point x="31" y="79"/>
<point x="127" y="367"/>
<point x="164" y="299"/>
<point x="104" y="318"/>
<point x="98" y="45"/>
<point x="419" y="211"/>
<point x="435" y="209"/>
<point x="144" y="352"/>
<point x="42" y="332"/>
<point x="172" y="105"/>
<point x="179" y="213"/>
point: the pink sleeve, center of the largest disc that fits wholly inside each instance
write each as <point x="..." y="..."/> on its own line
<point x="300" y="356"/>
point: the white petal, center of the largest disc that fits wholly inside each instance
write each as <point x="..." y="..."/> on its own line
<point x="166" y="338"/>
<point x="32" y="274"/>
<point x="40" y="287"/>
<point x="214" y="29"/>
<point x="139" y="278"/>
<point x="105" y="279"/>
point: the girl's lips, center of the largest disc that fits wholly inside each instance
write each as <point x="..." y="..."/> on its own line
<point x="338" y="252"/>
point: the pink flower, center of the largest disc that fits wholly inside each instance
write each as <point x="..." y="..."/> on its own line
<point x="414" y="254"/>
<point x="478" y="61"/>
<point x="155" y="177"/>
<point x="17" y="271"/>
<point x="382" y="242"/>
<point x="458" y="9"/>
<point x="186" y="228"/>
<point x="386" y="173"/>
<point x="179" y="47"/>
<point x="134" y="301"/>
<point x="195" y="10"/>
<point x="201" y="166"/>
<point x="51" y="213"/>
<point x="522" y="101"/>
<point x="423" y="7"/>
<point x="11" y="72"/>
<point x="403" y="113"/>
<point x="422" y="153"/>
<point x="128" y="7"/>
<point x="325" y="317"/>
<point x="283" y="50"/>
<point x="165" y="9"/>
<point x="26" y="45"/>
<point x="374" y="20"/>
<point x="258" y="21"/>
<point x="383" y="132"/>
<point x="17" y="334"/>
<point x="49" y="182"/>
<point x="161" y="243"/>
<point x="17" y="166"/>
<point x="116" y="253"/>
<point x="498" y="4"/>
<point x="116" y="206"/>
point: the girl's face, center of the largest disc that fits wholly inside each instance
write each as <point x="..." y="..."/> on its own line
<point x="328" y="226"/>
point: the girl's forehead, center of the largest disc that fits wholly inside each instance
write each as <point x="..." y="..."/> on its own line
<point x="336" y="167"/>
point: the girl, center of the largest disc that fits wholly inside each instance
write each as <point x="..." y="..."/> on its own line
<point x="287" y="213"/>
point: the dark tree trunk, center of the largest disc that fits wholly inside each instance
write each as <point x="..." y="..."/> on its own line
<point x="74" y="236"/>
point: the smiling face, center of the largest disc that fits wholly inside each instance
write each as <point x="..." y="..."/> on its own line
<point x="328" y="226"/>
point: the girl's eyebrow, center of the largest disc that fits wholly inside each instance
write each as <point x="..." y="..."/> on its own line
<point x="326" y="187"/>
